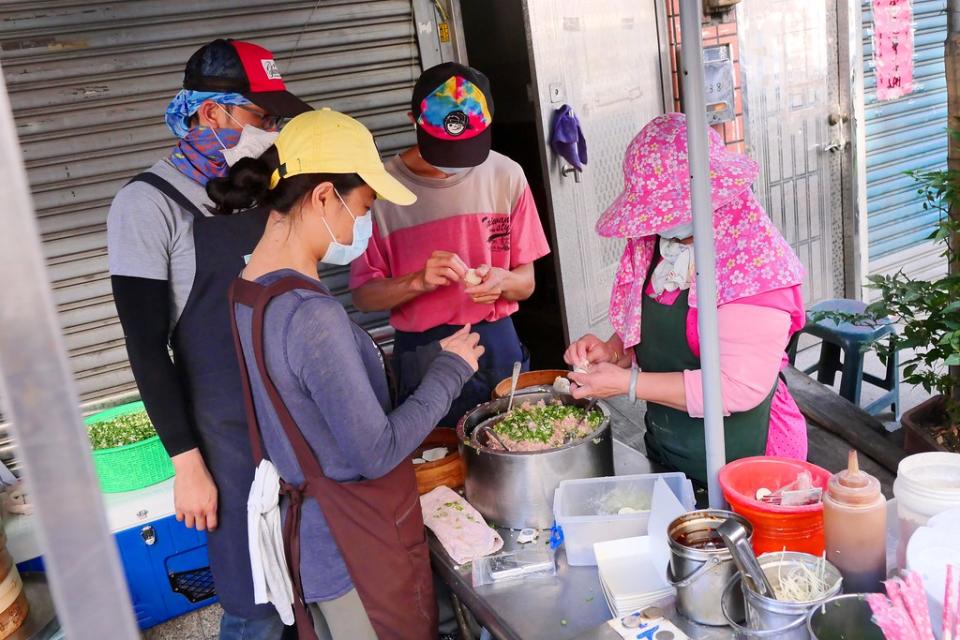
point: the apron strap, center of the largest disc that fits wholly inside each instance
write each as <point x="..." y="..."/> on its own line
<point x="257" y="297"/>
<point x="244" y="292"/>
<point x="168" y="190"/>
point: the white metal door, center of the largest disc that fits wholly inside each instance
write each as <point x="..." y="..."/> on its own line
<point x="789" y="53"/>
<point x="604" y="58"/>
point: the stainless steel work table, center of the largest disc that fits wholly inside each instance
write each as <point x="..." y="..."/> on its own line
<point x="568" y="606"/>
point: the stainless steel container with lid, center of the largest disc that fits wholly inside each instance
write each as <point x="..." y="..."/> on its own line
<point x="701" y="565"/>
<point x="515" y="488"/>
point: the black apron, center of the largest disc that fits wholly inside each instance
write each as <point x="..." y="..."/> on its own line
<point x="204" y="355"/>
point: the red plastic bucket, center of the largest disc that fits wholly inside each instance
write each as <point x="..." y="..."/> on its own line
<point x="775" y="528"/>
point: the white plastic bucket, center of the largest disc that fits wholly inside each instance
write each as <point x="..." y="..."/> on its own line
<point x="926" y="484"/>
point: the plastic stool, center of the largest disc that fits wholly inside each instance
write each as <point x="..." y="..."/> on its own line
<point x="853" y="340"/>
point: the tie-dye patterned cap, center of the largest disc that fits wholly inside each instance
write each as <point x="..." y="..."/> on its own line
<point x="454" y="110"/>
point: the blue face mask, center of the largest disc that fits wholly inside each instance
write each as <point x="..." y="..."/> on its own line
<point x="342" y="254"/>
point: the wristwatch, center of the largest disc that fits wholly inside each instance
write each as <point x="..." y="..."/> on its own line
<point x="634" y="377"/>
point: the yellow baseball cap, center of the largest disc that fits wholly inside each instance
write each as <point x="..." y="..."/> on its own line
<point x="327" y="141"/>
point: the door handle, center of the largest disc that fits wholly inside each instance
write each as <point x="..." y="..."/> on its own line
<point x="837" y="118"/>
<point x="833" y="147"/>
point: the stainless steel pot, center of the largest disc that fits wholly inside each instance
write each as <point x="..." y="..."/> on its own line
<point x="701" y="565"/>
<point x="515" y="489"/>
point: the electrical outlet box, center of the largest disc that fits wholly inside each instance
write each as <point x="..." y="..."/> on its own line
<point x="718" y="77"/>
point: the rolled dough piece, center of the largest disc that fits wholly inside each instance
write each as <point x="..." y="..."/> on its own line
<point x="561" y="385"/>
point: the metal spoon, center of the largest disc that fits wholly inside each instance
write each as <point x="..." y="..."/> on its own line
<point x="735" y="537"/>
<point x="488" y="429"/>
<point x="586" y="416"/>
<point x="513" y="383"/>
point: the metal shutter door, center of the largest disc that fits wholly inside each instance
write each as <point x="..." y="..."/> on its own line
<point x="908" y="133"/>
<point x="89" y="83"/>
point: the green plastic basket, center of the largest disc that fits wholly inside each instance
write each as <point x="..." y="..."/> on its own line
<point x="133" y="466"/>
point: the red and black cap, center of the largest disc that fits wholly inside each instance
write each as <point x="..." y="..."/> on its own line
<point x="454" y="110"/>
<point x="232" y="66"/>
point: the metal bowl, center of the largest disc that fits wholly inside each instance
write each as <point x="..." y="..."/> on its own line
<point x="515" y="488"/>
<point x="843" y="617"/>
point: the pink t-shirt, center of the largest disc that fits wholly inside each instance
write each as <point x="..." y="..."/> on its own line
<point x="486" y="215"/>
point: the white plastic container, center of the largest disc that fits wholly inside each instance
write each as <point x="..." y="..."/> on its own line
<point x="601" y="509"/>
<point x="926" y="484"/>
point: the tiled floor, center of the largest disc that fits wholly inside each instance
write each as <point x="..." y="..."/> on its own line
<point x="203" y="624"/>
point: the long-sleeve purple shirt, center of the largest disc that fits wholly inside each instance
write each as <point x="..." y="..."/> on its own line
<point x="330" y="375"/>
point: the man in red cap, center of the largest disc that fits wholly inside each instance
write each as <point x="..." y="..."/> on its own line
<point x="170" y="265"/>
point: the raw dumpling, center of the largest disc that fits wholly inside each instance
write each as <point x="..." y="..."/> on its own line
<point x="472" y="278"/>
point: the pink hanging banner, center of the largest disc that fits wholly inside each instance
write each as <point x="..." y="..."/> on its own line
<point x="893" y="48"/>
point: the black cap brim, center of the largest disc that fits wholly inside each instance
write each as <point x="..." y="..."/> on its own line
<point x="279" y="103"/>
<point x="454" y="153"/>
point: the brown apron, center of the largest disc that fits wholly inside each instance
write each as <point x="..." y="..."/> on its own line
<point x="377" y="524"/>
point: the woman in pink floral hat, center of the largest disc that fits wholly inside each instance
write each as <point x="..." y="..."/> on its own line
<point x="653" y="308"/>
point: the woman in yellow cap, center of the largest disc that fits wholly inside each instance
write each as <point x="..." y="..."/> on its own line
<point x="318" y="400"/>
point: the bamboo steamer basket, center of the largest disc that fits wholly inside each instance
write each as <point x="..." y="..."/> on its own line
<point x="448" y="471"/>
<point x="542" y="378"/>
<point x="14" y="607"/>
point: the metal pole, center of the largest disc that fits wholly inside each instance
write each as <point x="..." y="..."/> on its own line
<point x="698" y="151"/>
<point x="80" y="554"/>
<point x="951" y="60"/>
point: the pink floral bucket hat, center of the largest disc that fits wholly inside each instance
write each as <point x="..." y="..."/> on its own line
<point x="752" y="256"/>
<point x="656" y="178"/>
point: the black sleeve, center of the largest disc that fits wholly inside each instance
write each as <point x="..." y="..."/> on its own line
<point x="144" y="309"/>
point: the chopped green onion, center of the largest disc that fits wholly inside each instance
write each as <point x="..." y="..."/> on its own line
<point x="121" y="431"/>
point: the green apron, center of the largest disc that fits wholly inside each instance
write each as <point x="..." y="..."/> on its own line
<point x="673" y="438"/>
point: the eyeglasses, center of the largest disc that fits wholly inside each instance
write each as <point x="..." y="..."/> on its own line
<point x="268" y="120"/>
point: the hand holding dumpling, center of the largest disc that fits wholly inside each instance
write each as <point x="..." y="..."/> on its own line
<point x="601" y="380"/>
<point x="490" y="286"/>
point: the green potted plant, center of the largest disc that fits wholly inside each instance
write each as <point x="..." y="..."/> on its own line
<point x="927" y="313"/>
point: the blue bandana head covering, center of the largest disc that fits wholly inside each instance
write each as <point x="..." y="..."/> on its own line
<point x="186" y="103"/>
<point x="199" y="154"/>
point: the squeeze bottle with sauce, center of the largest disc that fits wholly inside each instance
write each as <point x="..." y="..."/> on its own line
<point x="855" y="528"/>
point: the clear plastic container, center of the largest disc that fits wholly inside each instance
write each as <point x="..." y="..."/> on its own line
<point x="528" y="563"/>
<point x="926" y="484"/>
<point x="601" y="509"/>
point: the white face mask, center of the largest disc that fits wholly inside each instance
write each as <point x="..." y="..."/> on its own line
<point x="452" y="171"/>
<point x="679" y="232"/>
<point x="253" y="142"/>
<point x="343" y="254"/>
